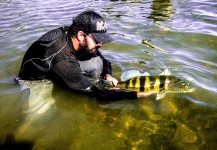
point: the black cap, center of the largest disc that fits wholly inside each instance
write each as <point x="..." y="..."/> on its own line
<point x="93" y="23"/>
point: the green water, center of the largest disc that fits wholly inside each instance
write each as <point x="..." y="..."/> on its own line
<point x="149" y="36"/>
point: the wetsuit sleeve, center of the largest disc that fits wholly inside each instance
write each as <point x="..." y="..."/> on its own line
<point x="111" y="95"/>
<point x="107" y="69"/>
<point x="69" y="73"/>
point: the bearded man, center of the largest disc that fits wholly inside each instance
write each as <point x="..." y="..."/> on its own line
<point x="70" y="56"/>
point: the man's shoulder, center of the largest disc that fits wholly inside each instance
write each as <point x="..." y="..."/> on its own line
<point x="53" y="34"/>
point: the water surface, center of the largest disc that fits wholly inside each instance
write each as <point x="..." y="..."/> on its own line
<point x="148" y="35"/>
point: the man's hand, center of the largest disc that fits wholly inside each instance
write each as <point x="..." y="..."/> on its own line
<point x="145" y="94"/>
<point x="112" y="79"/>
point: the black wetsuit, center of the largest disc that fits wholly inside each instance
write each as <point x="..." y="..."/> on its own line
<point x="53" y="57"/>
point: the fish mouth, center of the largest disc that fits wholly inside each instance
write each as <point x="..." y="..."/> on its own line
<point x="192" y="90"/>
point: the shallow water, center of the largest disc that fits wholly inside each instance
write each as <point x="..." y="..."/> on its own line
<point x="148" y="35"/>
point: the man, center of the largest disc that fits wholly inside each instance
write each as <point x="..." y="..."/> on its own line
<point x="70" y="55"/>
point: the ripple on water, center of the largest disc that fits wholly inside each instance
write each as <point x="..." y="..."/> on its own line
<point x="186" y="29"/>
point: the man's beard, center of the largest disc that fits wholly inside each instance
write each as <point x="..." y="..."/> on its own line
<point x="84" y="48"/>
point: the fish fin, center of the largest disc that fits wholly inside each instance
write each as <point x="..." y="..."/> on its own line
<point x="160" y="96"/>
<point x="166" y="72"/>
<point x="132" y="73"/>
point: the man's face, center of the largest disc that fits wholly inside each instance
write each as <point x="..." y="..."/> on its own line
<point x="89" y="44"/>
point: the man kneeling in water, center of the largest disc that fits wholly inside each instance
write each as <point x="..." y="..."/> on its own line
<point x="68" y="55"/>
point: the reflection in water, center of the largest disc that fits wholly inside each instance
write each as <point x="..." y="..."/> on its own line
<point x="39" y="103"/>
<point x="11" y="144"/>
<point x="148" y="43"/>
<point x="162" y="10"/>
<point x="150" y="124"/>
<point x="40" y="96"/>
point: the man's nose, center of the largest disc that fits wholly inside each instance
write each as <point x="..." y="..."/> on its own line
<point x="99" y="45"/>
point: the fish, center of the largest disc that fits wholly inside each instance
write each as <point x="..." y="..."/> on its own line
<point x="142" y="81"/>
<point x="160" y="84"/>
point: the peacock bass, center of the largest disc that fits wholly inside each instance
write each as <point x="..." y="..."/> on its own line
<point x="134" y="80"/>
<point x="161" y="84"/>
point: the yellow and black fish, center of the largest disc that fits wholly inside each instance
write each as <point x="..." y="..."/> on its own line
<point x="161" y="84"/>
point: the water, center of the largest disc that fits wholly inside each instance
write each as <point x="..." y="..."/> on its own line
<point x="149" y="35"/>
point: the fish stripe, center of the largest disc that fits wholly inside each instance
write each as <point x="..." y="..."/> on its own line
<point x="157" y="84"/>
<point x="162" y="83"/>
<point x="127" y="84"/>
<point x="137" y="84"/>
<point x="134" y="82"/>
<point x="167" y="83"/>
<point x="147" y="84"/>
<point x="152" y="82"/>
<point x="142" y="84"/>
<point x="131" y="84"/>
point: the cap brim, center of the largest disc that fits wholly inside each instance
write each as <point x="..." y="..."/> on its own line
<point x="102" y="37"/>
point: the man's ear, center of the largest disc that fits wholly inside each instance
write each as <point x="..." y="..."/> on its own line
<point x="80" y="36"/>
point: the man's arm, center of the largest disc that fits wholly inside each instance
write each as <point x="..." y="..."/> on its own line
<point x="69" y="73"/>
<point x="107" y="69"/>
